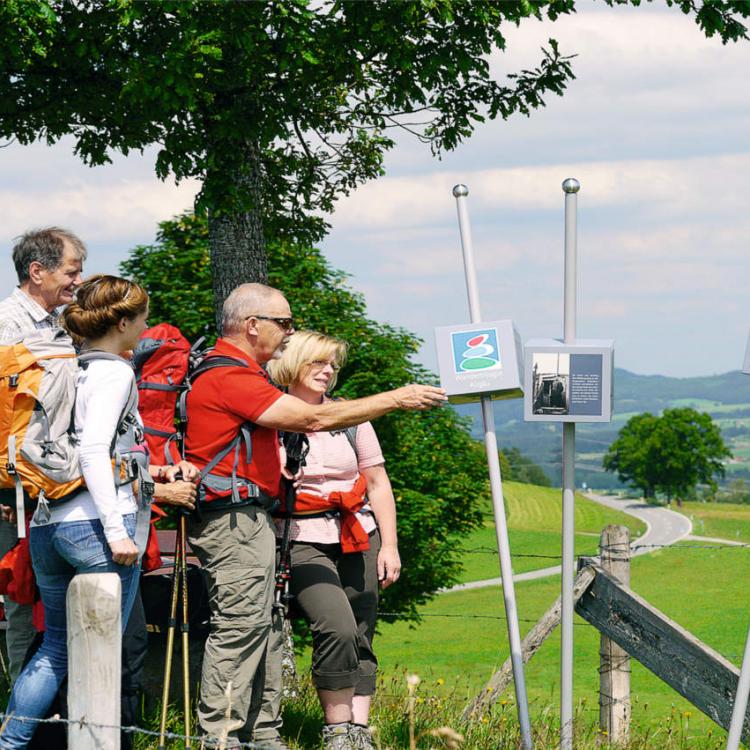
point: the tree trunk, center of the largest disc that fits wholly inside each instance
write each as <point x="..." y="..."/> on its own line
<point x="237" y="241"/>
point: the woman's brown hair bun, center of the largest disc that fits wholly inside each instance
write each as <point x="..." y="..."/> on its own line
<point x="100" y="303"/>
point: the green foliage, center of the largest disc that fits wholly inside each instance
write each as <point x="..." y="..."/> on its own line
<point x="437" y="470"/>
<point x="672" y="453"/>
<point x="177" y="272"/>
<point x="277" y="107"/>
<point x="736" y="491"/>
<point x="519" y="468"/>
<point x="302" y="94"/>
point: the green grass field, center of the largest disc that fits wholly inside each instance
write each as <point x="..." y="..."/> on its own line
<point x="722" y="520"/>
<point x="463" y="637"/>
<point x="534" y="523"/>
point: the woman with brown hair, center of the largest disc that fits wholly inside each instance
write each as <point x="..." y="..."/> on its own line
<point x="343" y="544"/>
<point x="95" y="530"/>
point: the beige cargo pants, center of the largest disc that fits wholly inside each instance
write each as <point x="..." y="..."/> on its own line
<point x="237" y="551"/>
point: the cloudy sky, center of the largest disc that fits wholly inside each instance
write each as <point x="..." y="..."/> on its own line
<point x="655" y="128"/>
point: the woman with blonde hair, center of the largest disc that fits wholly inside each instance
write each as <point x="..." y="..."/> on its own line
<point x="343" y="544"/>
<point x="95" y="530"/>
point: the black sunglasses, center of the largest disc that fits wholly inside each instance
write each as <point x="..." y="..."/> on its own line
<point x="286" y="324"/>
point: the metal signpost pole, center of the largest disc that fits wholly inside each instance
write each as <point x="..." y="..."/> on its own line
<point x="571" y="188"/>
<point x="460" y="192"/>
<point x="740" y="701"/>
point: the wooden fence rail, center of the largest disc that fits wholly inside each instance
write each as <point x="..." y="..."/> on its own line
<point x="693" y="669"/>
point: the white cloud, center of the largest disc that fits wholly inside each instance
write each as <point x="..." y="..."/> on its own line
<point x="98" y="213"/>
<point x="719" y="184"/>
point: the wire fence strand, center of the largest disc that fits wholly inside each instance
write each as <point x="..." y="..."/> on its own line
<point x="206" y="742"/>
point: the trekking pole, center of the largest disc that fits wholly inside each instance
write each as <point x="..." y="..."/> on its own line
<point x="185" y="629"/>
<point x="460" y="192"/>
<point x="171" y="625"/>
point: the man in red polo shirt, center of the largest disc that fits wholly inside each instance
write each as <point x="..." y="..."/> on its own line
<point x="229" y="407"/>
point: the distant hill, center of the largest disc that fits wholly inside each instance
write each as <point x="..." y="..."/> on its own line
<point x="725" y="397"/>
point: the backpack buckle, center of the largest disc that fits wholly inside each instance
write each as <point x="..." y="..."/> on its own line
<point x="10" y="468"/>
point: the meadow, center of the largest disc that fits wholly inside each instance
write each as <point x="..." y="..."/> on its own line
<point x="534" y="521"/>
<point x="721" y="520"/>
<point x="462" y="638"/>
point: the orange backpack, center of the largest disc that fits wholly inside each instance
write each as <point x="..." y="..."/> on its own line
<point x="38" y="442"/>
<point x="38" y="450"/>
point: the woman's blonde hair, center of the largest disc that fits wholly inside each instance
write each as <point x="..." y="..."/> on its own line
<point x="305" y="347"/>
<point x="100" y="303"/>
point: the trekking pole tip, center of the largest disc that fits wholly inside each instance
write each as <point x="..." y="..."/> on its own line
<point x="460" y="190"/>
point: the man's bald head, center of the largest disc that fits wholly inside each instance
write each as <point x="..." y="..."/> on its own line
<point x="243" y="302"/>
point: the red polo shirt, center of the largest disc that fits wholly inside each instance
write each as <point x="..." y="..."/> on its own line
<point x="219" y="402"/>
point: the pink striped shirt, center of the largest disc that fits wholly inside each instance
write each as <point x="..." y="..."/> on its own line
<point x="333" y="466"/>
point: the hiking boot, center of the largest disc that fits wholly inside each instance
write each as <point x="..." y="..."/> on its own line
<point x="361" y="737"/>
<point x="337" y="737"/>
<point x="271" y="743"/>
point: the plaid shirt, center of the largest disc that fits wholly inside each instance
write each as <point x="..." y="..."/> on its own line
<point x="19" y="314"/>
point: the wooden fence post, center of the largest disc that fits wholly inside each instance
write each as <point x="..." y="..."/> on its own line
<point x="614" y="668"/>
<point x="94" y="654"/>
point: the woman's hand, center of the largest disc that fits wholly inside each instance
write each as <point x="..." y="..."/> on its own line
<point x="419" y="396"/>
<point x="189" y="472"/>
<point x="296" y="479"/>
<point x="124" y="552"/>
<point x="179" y="493"/>
<point x="389" y="566"/>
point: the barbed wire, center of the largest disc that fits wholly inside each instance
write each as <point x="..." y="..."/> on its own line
<point x="207" y="742"/>
<point x="729" y="545"/>
<point x="453" y="615"/>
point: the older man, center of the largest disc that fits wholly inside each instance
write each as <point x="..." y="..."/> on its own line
<point x="48" y="265"/>
<point x="234" y="536"/>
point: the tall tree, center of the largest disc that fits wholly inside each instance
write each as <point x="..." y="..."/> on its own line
<point x="671" y="454"/>
<point x="277" y="107"/>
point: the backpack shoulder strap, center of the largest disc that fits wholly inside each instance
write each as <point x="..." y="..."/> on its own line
<point x="211" y="363"/>
<point x="351" y="436"/>
<point x="244" y="434"/>
<point x="84" y="358"/>
<point x="206" y="364"/>
<point x="131" y="405"/>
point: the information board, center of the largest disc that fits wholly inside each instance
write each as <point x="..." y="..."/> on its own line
<point x="482" y="359"/>
<point x="568" y="382"/>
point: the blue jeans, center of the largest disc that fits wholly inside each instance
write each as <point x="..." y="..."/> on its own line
<point x="59" y="551"/>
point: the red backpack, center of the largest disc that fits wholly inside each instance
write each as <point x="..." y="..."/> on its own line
<point x="161" y="362"/>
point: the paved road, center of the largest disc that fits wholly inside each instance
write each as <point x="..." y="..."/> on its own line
<point x="663" y="527"/>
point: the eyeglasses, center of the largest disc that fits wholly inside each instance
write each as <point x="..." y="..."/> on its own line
<point x="319" y="364"/>
<point x="286" y="324"/>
